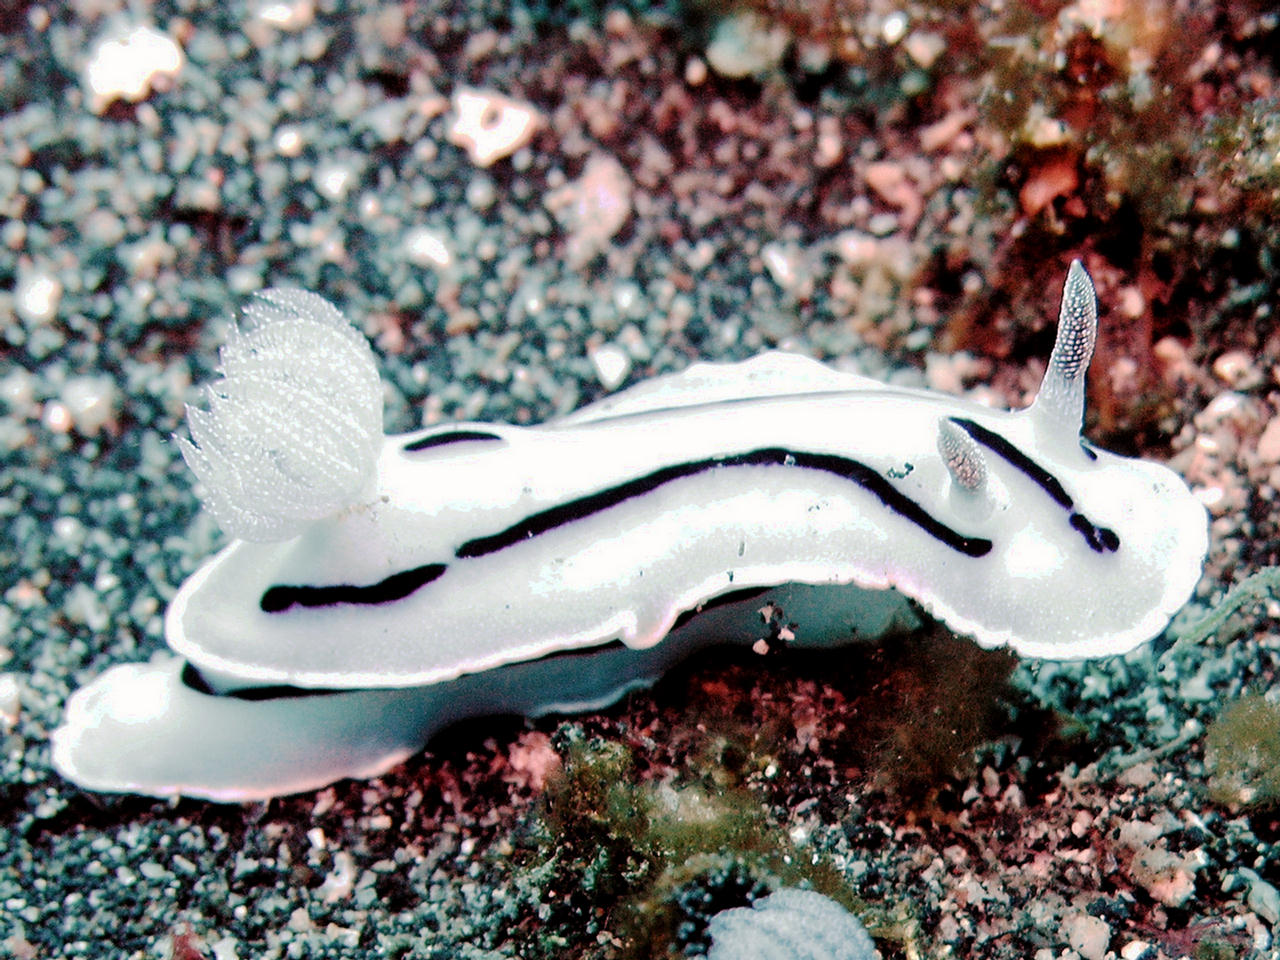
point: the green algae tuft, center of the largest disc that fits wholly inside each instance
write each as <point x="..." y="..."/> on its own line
<point x="1242" y="753"/>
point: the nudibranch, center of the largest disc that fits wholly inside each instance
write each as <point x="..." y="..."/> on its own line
<point x="380" y="588"/>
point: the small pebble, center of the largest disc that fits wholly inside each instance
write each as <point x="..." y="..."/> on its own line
<point x="612" y="364"/>
<point x="491" y="126"/>
<point x="126" y="66"/>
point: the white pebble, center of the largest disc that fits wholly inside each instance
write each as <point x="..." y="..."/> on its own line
<point x="91" y="402"/>
<point x="612" y="365"/>
<point x="1087" y="935"/>
<point x="10" y="699"/>
<point x="287" y="16"/>
<point x="427" y="248"/>
<point x="786" y="264"/>
<point x="481" y="193"/>
<point x="490" y="126"/>
<point x="68" y="531"/>
<point x="128" y="66"/>
<point x="333" y="180"/>
<point x="17" y="391"/>
<point x="288" y="141"/>
<point x="1263" y="898"/>
<point x="895" y="26"/>
<point x="38" y="294"/>
<point x="340" y="881"/>
<point x="56" y="417"/>
<point x="745" y="45"/>
<point x="925" y="48"/>
<point x="84" y="606"/>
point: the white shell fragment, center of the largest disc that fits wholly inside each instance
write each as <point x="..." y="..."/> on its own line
<point x="789" y="924"/>
<point x="490" y="125"/>
<point x="479" y="557"/>
<point x="129" y="64"/>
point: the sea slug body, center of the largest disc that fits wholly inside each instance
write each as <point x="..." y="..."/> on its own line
<point x="382" y="588"/>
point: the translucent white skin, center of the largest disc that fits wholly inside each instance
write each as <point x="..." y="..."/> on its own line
<point x="629" y="571"/>
<point x="139" y="728"/>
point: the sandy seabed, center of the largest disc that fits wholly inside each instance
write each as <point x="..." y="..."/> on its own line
<point x="898" y="189"/>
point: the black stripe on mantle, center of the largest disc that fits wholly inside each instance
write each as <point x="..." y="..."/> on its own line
<point x="852" y="470"/>
<point x="445" y="437"/>
<point x="1099" y="539"/>
<point x="281" y="597"/>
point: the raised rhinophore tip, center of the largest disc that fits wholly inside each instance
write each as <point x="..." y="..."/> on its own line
<point x="961" y="454"/>
<point x="294" y="426"/>
<point x="1061" y="397"/>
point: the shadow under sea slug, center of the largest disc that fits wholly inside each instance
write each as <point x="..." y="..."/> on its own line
<point x="381" y="588"/>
